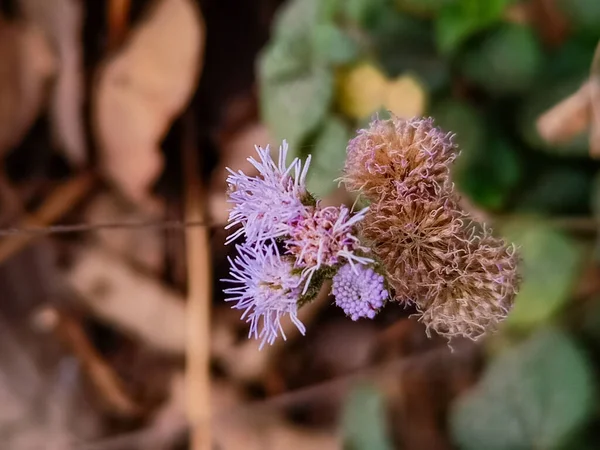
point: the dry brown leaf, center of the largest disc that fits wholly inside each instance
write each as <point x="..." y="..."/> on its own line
<point x="143" y="246"/>
<point x="61" y="22"/>
<point x="568" y="118"/>
<point x="142" y="90"/>
<point x="133" y="302"/>
<point x="27" y="65"/>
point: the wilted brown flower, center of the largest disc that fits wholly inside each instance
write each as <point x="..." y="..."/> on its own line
<point x="411" y="156"/>
<point x="477" y="291"/>
<point x="461" y="278"/>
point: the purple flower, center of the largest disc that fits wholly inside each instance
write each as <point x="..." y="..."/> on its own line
<point x="359" y="291"/>
<point x="324" y="238"/>
<point x="267" y="290"/>
<point x="264" y="204"/>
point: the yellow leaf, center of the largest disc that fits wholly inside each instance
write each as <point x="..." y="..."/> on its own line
<point x="361" y="90"/>
<point x="405" y="97"/>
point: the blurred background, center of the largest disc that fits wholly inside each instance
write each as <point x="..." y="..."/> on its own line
<point x="117" y="120"/>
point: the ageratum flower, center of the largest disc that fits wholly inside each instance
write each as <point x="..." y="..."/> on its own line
<point x="359" y="291"/>
<point x="263" y="205"/>
<point x="267" y="290"/>
<point x="324" y="238"/>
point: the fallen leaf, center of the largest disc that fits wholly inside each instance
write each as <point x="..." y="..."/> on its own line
<point x="142" y="90"/>
<point x="27" y="65"/>
<point x="61" y="22"/>
<point x="133" y="302"/>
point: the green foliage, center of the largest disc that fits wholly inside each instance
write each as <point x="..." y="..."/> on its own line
<point x="296" y="68"/>
<point x="551" y="262"/>
<point x="557" y="190"/>
<point x="404" y="44"/>
<point x="504" y="62"/>
<point x="293" y="107"/>
<point x="460" y="19"/>
<point x="333" y="45"/>
<point x="536" y="395"/>
<point x="422" y="7"/>
<point x="540" y="100"/>
<point x="488" y="167"/>
<point x="582" y="14"/>
<point x="328" y="161"/>
<point x="363" y="420"/>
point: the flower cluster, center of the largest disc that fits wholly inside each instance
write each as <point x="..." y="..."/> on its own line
<point x="291" y="245"/>
<point x="462" y="279"/>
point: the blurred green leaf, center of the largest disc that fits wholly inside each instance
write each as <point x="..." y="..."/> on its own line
<point x="328" y="157"/>
<point x="293" y="107"/>
<point x="504" y="62"/>
<point x="297" y="17"/>
<point x="489" y="175"/>
<point x="332" y="45"/>
<point x="404" y="44"/>
<point x="583" y="15"/>
<point x="558" y="190"/>
<point x="422" y="7"/>
<point x="539" y="101"/>
<point x="364" y="421"/>
<point x="533" y="396"/>
<point x="464" y="121"/>
<point x="487" y="169"/>
<point x="551" y="263"/>
<point x="460" y="19"/>
<point x="285" y="57"/>
<point x="364" y="12"/>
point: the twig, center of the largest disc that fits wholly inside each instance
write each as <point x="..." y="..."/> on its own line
<point x="56" y="205"/>
<point x="199" y="298"/>
<point x="101" y="374"/>
<point x="118" y="13"/>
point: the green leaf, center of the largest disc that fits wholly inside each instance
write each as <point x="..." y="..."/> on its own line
<point x="364" y="12"/>
<point x="558" y="190"/>
<point x="404" y="44"/>
<point x="486" y="170"/>
<point x="332" y="45"/>
<point x="363" y="420"/>
<point x="285" y="57"/>
<point x="422" y="7"/>
<point x="505" y="62"/>
<point x="293" y="107"/>
<point x="551" y="263"/>
<point x="328" y="157"/>
<point x="541" y="99"/>
<point x="583" y="15"/>
<point x="464" y="121"/>
<point x="534" y="396"/>
<point x="460" y="19"/>
<point x="297" y="17"/>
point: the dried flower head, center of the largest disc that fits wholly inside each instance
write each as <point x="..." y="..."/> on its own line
<point x="479" y="288"/>
<point x="359" y="291"/>
<point x="267" y="290"/>
<point x="413" y="240"/>
<point x="462" y="279"/>
<point x="410" y="156"/>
